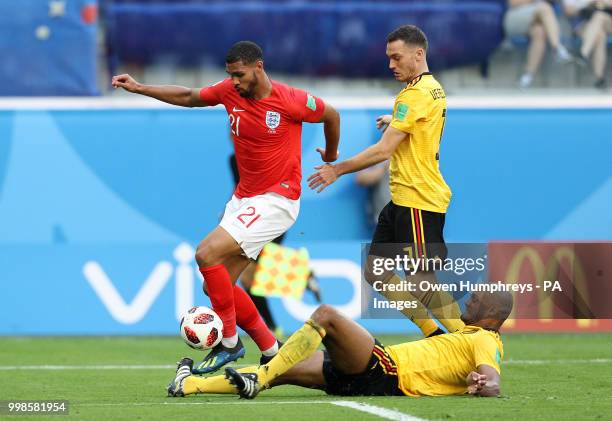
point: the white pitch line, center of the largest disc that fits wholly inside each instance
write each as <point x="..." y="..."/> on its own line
<point x="87" y="367"/>
<point x="381" y="412"/>
<point x="172" y="366"/>
<point x="386" y="413"/>
<point x="99" y="367"/>
<point x="546" y="362"/>
<point x="237" y="402"/>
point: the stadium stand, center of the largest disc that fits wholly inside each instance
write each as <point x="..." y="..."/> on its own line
<point x="346" y="40"/>
<point x="48" y="48"/>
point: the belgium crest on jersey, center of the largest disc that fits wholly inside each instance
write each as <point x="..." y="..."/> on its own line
<point x="272" y="119"/>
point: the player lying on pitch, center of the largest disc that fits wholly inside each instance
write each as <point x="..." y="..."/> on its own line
<point x="354" y="363"/>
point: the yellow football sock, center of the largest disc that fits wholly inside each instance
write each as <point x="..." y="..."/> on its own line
<point x="418" y="315"/>
<point x="427" y="326"/>
<point x="298" y="347"/>
<point x="452" y="325"/>
<point x="441" y="304"/>
<point x="214" y="384"/>
<point x="444" y="308"/>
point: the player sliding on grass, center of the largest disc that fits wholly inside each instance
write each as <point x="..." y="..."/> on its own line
<point x="354" y="363"/>
<point x="265" y="119"/>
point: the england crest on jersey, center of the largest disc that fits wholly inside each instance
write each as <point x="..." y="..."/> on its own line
<point x="272" y="119"/>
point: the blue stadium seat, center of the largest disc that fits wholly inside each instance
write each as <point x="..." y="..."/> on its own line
<point x="342" y="38"/>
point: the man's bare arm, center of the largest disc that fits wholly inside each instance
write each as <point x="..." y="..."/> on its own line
<point x="172" y="94"/>
<point x="331" y="128"/>
<point x="484" y="382"/>
<point x="381" y="151"/>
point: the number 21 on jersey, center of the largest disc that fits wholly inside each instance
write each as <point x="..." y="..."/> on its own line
<point x="234" y="124"/>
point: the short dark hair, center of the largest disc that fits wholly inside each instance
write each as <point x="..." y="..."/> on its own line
<point x="410" y="34"/>
<point x="246" y="51"/>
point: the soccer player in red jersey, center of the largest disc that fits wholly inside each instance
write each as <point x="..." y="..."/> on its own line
<point x="265" y="119"/>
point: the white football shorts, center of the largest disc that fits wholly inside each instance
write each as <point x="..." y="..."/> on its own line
<point x="255" y="221"/>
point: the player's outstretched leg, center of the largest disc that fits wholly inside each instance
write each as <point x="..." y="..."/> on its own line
<point x="299" y="347"/>
<point x="189" y="385"/>
<point x="211" y="256"/>
<point x="247" y="314"/>
<point x="246" y="384"/>
<point x="297" y="362"/>
<point x="183" y="370"/>
<point x="249" y="319"/>
<point x="348" y="344"/>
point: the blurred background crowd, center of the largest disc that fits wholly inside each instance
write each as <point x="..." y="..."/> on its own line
<point x="71" y="47"/>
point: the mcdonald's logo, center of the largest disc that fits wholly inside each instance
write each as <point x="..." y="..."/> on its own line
<point x="547" y="271"/>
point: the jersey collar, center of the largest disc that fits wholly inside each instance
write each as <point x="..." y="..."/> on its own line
<point x="416" y="79"/>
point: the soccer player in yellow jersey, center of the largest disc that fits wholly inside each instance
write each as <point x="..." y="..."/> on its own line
<point x="419" y="195"/>
<point x="354" y="363"/>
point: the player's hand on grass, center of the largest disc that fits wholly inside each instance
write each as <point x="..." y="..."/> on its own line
<point x="325" y="175"/>
<point x="325" y="157"/>
<point x="126" y="82"/>
<point x="383" y="121"/>
<point x="475" y="382"/>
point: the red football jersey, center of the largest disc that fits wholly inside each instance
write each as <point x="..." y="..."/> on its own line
<point x="267" y="135"/>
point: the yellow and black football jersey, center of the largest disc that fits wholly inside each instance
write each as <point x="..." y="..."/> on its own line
<point x="415" y="178"/>
<point x="439" y="365"/>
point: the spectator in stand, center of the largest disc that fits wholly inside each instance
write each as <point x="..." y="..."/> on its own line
<point x="537" y="20"/>
<point x="592" y="21"/>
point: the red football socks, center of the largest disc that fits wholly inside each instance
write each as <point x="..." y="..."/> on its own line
<point x="249" y="319"/>
<point x="220" y="291"/>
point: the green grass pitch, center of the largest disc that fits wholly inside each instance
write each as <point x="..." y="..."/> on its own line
<point x="544" y="376"/>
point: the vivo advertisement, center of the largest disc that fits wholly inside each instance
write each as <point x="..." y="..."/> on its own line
<point x="101" y="210"/>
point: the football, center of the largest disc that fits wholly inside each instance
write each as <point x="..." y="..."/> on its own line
<point x="201" y="328"/>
